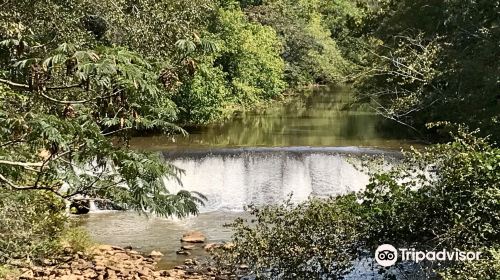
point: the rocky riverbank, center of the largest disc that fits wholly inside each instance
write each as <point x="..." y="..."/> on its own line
<point x="109" y="262"/>
<point x="117" y="263"/>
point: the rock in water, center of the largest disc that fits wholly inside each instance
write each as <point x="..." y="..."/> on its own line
<point x="187" y="247"/>
<point x="212" y="246"/>
<point x="182" y="252"/>
<point x="193" y="237"/>
<point x="155" y="254"/>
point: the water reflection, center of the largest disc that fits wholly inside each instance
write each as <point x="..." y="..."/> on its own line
<point x="323" y="118"/>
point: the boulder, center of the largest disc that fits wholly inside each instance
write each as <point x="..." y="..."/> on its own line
<point x="27" y="275"/>
<point x="155" y="254"/>
<point x="182" y="252"/>
<point x="193" y="237"/>
<point x="211" y="246"/>
<point x="187" y="247"/>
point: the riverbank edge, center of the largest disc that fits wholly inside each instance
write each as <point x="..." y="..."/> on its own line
<point x="107" y="262"/>
<point x="288" y="95"/>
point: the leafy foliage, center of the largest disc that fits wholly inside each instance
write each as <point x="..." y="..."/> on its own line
<point x="30" y="224"/>
<point x="176" y="38"/>
<point x="310" y="50"/>
<point x="58" y="119"/>
<point x="435" y="61"/>
<point x="237" y="65"/>
<point x="77" y="239"/>
<point x="250" y="57"/>
<point x="485" y="269"/>
<point x="455" y="189"/>
<point x="306" y="241"/>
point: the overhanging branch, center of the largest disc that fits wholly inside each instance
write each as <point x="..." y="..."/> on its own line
<point x="25" y="188"/>
<point x="15" y="85"/>
<point x="23" y="164"/>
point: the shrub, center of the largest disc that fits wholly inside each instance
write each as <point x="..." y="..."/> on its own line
<point x="30" y="224"/>
<point x="446" y="195"/>
<point x="487" y="269"/>
<point x="315" y="239"/>
<point x="7" y="272"/>
<point x="77" y="239"/>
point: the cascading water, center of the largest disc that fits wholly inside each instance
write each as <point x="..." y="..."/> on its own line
<point x="232" y="179"/>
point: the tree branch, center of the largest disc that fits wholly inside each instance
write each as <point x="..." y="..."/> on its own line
<point x="27" y="87"/>
<point x="15" y="85"/>
<point x="63" y="87"/>
<point x="24" y="188"/>
<point x="77" y="101"/>
<point x="23" y="164"/>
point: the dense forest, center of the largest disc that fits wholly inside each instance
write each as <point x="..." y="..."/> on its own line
<point x="79" y="78"/>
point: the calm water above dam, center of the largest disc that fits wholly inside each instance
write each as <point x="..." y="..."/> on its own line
<point x="324" y="117"/>
<point x="307" y="147"/>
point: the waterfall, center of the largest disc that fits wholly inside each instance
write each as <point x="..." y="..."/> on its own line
<point x="232" y="179"/>
<point x="92" y="206"/>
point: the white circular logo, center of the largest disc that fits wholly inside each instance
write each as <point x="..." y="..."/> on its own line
<point x="386" y="255"/>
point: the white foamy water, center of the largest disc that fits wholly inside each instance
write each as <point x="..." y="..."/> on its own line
<point x="231" y="181"/>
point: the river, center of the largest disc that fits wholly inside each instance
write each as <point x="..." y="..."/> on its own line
<point x="309" y="146"/>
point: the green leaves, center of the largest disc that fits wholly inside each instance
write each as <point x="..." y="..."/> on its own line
<point x="30" y="224"/>
<point x="434" y="63"/>
<point x="186" y="46"/>
<point x="58" y="129"/>
<point x="309" y="48"/>
<point x="312" y="240"/>
<point x="454" y="204"/>
<point x="235" y="65"/>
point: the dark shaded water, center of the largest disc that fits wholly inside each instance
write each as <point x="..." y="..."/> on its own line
<point x="325" y="117"/>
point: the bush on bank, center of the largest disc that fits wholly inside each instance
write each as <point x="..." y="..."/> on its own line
<point x="30" y="225"/>
<point x="306" y="241"/>
<point x="34" y="226"/>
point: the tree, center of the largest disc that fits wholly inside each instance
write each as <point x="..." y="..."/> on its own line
<point x="66" y="121"/>
<point x="177" y="38"/>
<point x="310" y="50"/>
<point x="235" y="64"/>
<point x="434" y="61"/>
